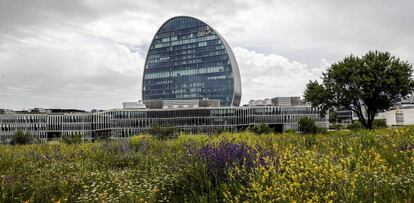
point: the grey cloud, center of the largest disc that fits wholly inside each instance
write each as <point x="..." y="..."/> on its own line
<point x="307" y="30"/>
<point x="86" y="54"/>
<point x="267" y="76"/>
<point x="92" y="75"/>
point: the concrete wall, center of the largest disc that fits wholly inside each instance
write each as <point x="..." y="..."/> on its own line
<point x="391" y="118"/>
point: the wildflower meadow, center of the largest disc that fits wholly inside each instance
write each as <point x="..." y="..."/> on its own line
<point x="346" y="166"/>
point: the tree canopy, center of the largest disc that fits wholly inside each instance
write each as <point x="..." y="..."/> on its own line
<point x="366" y="85"/>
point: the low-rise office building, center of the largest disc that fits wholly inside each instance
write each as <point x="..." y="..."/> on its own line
<point x="123" y="123"/>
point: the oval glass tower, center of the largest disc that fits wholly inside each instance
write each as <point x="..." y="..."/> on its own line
<point x="188" y="59"/>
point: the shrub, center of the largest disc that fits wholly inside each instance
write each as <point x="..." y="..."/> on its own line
<point x="376" y="124"/>
<point x="321" y="130"/>
<point x="261" y="129"/>
<point x="72" y="139"/>
<point x="380" y="123"/>
<point x="20" y="138"/>
<point x="336" y="126"/>
<point x="356" y="125"/>
<point x="307" y="126"/>
<point x="221" y="131"/>
<point x="290" y="131"/>
<point x="163" y="132"/>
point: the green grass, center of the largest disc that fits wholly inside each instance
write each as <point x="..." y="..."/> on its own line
<point x="363" y="166"/>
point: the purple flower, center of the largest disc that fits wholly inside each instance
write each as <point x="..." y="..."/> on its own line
<point x="93" y="149"/>
<point x="143" y="146"/>
<point x="106" y="146"/>
<point x="189" y="148"/>
<point x="47" y="156"/>
<point x="123" y="147"/>
<point x="8" y="179"/>
<point x="226" y="155"/>
<point x="35" y="155"/>
<point x="56" y="154"/>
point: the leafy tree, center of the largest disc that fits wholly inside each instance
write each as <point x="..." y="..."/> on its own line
<point x="365" y="85"/>
<point x="261" y="129"/>
<point x="20" y="138"/>
<point x="307" y="126"/>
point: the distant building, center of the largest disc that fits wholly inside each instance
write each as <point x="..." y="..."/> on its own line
<point x="252" y="103"/>
<point x="402" y="113"/>
<point x="286" y="101"/>
<point x="3" y="111"/>
<point x="133" y="105"/>
<point x="344" y="116"/>
<point x="174" y="104"/>
<point x="398" y="117"/>
<point x="40" y="110"/>
<point x="260" y="102"/>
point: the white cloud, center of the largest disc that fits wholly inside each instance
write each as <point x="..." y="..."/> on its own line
<point x="271" y="75"/>
<point x="68" y="71"/>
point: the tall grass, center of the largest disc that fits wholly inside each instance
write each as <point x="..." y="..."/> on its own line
<point x="345" y="166"/>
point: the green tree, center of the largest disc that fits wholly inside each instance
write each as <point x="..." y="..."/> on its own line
<point x="20" y="138"/>
<point x="365" y="85"/>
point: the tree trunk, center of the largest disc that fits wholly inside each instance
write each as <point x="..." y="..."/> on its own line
<point x="369" y="123"/>
<point x="369" y="118"/>
<point x="365" y="122"/>
<point x="358" y="110"/>
<point x="372" y="111"/>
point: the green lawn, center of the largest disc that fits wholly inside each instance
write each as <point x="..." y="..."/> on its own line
<point x="363" y="166"/>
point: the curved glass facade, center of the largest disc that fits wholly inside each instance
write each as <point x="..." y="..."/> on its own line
<point x="188" y="59"/>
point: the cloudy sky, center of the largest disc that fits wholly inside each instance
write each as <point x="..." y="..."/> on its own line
<point x="89" y="54"/>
